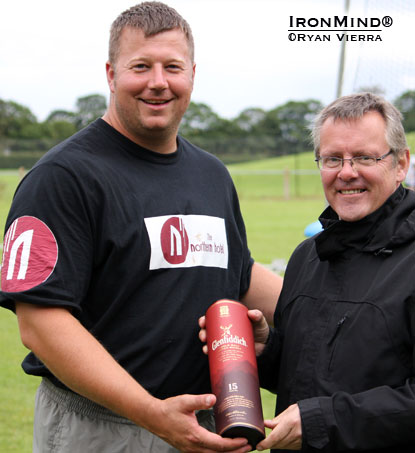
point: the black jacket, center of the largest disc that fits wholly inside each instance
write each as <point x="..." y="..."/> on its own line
<point x="343" y="346"/>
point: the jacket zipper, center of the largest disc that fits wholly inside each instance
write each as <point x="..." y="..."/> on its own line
<point x="338" y="327"/>
<point x="334" y="336"/>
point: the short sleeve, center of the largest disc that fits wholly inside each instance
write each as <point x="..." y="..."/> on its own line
<point x="48" y="249"/>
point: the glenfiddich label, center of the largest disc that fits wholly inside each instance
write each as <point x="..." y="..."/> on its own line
<point x="233" y="372"/>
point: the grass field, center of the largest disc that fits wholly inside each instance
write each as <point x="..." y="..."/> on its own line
<point x="275" y="223"/>
<point x="275" y="226"/>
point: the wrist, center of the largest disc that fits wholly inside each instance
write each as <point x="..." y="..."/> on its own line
<point x="143" y="409"/>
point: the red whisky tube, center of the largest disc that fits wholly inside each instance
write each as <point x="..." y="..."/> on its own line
<point x="233" y="372"/>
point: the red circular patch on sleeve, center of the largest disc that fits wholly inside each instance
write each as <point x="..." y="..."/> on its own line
<point x="30" y="253"/>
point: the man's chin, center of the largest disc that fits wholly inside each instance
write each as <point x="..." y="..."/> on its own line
<point x="351" y="215"/>
<point x="159" y="126"/>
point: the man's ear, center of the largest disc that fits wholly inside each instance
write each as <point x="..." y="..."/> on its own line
<point x="403" y="165"/>
<point x="193" y="74"/>
<point x="110" y="75"/>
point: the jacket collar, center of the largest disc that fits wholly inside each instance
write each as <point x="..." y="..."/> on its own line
<point x="391" y="225"/>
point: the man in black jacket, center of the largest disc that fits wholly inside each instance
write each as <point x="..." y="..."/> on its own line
<point x="341" y="357"/>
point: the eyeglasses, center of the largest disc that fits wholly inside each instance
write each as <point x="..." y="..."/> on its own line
<point x="336" y="163"/>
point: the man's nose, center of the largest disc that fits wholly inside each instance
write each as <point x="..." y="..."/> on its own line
<point x="158" y="80"/>
<point x="348" y="170"/>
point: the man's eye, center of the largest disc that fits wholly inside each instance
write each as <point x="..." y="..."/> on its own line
<point x="364" y="158"/>
<point x="173" y="67"/>
<point x="140" y="66"/>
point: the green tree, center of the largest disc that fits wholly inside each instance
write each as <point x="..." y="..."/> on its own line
<point x="17" y="121"/>
<point x="58" y="130"/>
<point x="62" y="115"/>
<point x="60" y="124"/>
<point x="89" y="108"/>
<point x="294" y="119"/>
<point x="199" y="117"/>
<point x="405" y="103"/>
<point x="249" y="119"/>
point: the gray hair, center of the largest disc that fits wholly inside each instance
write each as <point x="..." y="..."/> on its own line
<point x="152" y="18"/>
<point x="354" y="106"/>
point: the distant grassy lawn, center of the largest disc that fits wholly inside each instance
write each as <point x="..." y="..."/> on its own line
<point x="275" y="218"/>
<point x="17" y="391"/>
<point x="8" y="182"/>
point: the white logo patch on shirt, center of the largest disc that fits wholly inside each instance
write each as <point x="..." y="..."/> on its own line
<point x="187" y="241"/>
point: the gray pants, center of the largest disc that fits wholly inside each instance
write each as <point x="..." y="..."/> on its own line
<point x="68" y="423"/>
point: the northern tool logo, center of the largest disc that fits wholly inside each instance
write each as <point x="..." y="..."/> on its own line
<point x="30" y="253"/>
<point x="174" y="241"/>
<point x="187" y="241"/>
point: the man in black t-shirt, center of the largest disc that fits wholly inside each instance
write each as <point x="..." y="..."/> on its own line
<point x="116" y="242"/>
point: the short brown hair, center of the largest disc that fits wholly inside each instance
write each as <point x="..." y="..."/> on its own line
<point x="152" y="18"/>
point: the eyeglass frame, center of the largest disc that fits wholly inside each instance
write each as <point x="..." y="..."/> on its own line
<point x="351" y="160"/>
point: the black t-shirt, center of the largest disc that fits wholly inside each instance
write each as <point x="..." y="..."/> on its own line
<point x="137" y="244"/>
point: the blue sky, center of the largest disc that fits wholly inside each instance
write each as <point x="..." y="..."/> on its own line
<point x="53" y="52"/>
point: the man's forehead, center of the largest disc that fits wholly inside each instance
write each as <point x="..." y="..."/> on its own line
<point x="365" y="133"/>
<point x="133" y="38"/>
<point x="129" y="31"/>
<point x="372" y="115"/>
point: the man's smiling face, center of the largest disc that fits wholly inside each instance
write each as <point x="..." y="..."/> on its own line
<point x="353" y="193"/>
<point x="151" y="84"/>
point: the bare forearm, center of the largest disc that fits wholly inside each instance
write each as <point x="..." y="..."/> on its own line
<point x="75" y="357"/>
<point x="263" y="292"/>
